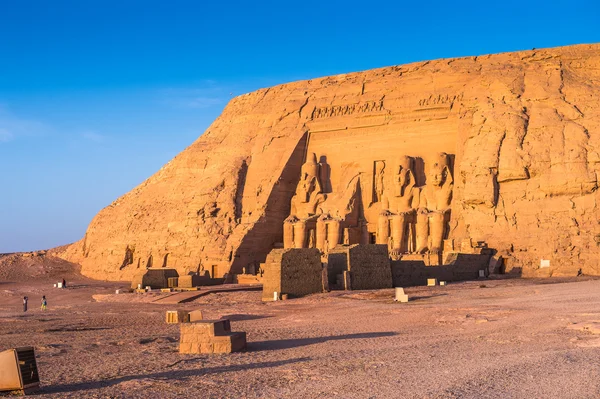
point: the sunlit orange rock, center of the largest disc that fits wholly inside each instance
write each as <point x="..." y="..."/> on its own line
<point x="522" y="136"/>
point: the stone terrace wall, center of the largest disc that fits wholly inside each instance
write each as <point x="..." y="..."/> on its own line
<point x="461" y="267"/>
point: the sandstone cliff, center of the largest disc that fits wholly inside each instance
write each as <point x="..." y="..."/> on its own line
<point x="523" y="130"/>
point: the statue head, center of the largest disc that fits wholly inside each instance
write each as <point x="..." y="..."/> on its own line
<point x="309" y="179"/>
<point x="439" y="170"/>
<point x="404" y="175"/>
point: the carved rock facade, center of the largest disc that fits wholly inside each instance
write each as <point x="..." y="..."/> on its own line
<point x="520" y="133"/>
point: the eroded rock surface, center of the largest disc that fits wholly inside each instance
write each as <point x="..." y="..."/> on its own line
<point x="522" y="132"/>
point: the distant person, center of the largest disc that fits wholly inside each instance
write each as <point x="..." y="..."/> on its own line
<point x="44" y="303"/>
<point x="64" y="283"/>
<point x="25" y="299"/>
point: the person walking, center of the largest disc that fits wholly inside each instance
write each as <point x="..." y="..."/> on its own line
<point x="64" y="283"/>
<point x="25" y="299"/>
<point x="44" y="302"/>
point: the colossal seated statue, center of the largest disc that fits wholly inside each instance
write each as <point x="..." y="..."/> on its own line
<point x="317" y="219"/>
<point x="434" y="205"/>
<point x="398" y="209"/>
<point x="340" y="211"/>
<point x="304" y="205"/>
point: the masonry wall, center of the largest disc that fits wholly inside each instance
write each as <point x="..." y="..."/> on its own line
<point x="369" y="267"/>
<point x="155" y="278"/>
<point x="292" y="271"/>
<point x="461" y="267"/>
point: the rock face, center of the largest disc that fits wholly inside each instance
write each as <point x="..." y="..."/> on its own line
<point x="521" y="132"/>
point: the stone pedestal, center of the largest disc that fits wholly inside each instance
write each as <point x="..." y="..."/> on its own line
<point x="210" y="336"/>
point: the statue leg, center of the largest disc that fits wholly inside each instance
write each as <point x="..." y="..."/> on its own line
<point x="288" y="235"/>
<point x="383" y="230"/>
<point x="321" y="234"/>
<point x="333" y="233"/>
<point x="437" y="232"/>
<point x="422" y="230"/>
<point x="300" y="236"/>
<point x="399" y="233"/>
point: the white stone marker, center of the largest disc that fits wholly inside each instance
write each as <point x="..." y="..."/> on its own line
<point x="400" y="295"/>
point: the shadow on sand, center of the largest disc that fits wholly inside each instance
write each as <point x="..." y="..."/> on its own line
<point x="171" y="375"/>
<point x="294" y="343"/>
<point x="421" y="297"/>
<point x="240" y="317"/>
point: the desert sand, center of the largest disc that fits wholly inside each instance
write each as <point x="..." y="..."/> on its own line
<point x="494" y="338"/>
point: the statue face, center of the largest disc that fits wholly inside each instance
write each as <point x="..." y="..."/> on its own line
<point x="436" y="175"/>
<point x="402" y="179"/>
<point x="305" y="188"/>
<point x="403" y="176"/>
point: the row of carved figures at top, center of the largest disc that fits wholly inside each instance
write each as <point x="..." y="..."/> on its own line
<point x="411" y="218"/>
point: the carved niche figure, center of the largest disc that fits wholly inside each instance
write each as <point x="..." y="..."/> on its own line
<point x="378" y="180"/>
<point x="398" y="209"/>
<point x="304" y="205"/>
<point x="434" y="206"/>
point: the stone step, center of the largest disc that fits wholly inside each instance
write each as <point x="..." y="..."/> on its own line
<point x="231" y="342"/>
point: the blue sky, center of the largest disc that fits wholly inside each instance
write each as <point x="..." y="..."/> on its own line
<point x="95" y="96"/>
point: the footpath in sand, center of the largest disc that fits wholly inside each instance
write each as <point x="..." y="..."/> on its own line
<point x="481" y="339"/>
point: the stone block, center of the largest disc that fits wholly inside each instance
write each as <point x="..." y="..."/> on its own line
<point x="195" y="315"/>
<point x="200" y="338"/>
<point x="177" y="316"/>
<point x="185" y="347"/>
<point x="172" y="282"/>
<point x="432" y="282"/>
<point x="400" y="295"/>
<point x="206" y="327"/>
<point x="233" y="342"/>
<point x="206" y="347"/>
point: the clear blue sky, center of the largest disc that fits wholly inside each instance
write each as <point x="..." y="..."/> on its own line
<point x="95" y="96"/>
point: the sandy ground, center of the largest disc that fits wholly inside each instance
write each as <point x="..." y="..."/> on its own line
<point x="483" y="339"/>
